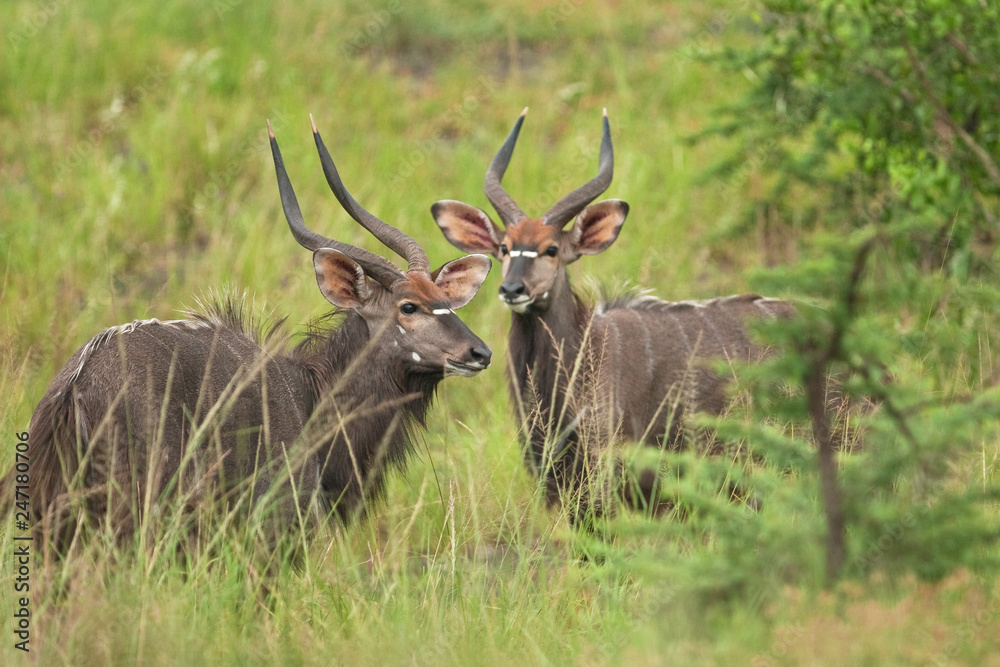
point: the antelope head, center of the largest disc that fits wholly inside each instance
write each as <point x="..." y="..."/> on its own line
<point x="534" y="252"/>
<point x="415" y="309"/>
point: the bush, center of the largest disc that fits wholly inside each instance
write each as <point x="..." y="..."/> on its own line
<point x="873" y="126"/>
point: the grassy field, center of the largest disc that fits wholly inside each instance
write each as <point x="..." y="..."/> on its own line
<point x="135" y="176"/>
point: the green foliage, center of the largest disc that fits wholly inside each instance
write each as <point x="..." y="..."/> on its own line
<point x="869" y="119"/>
<point x="884" y="111"/>
<point x="135" y="176"/>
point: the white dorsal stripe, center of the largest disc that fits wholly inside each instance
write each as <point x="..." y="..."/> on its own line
<point x="128" y="328"/>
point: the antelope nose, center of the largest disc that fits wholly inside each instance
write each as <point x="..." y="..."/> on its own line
<point x="481" y="355"/>
<point x="512" y="290"/>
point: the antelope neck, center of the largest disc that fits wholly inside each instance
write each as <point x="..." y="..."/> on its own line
<point x="536" y="337"/>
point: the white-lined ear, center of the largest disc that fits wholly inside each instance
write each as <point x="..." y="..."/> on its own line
<point x="467" y="228"/>
<point x="341" y="280"/>
<point x="461" y="278"/>
<point x="597" y="226"/>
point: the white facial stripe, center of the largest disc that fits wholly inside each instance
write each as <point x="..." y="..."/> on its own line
<point x="442" y="311"/>
<point x="416" y="357"/>
<point x="401" y="329"/>
<point x="523" y="253"/>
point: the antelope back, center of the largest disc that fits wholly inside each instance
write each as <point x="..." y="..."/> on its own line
<point x="204" y="407"/>
<point x="192" y="406"/>
<point x="658" y="360"/>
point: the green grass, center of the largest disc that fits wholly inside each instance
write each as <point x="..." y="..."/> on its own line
<point x="135" y="176"/>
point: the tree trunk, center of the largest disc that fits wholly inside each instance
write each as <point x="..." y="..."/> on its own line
<point x="816" y="395"/>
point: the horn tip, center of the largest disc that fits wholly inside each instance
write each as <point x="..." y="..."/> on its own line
<point x="313" y="123"/>
<point x="605" y="112"/>
<point x="524" y="112"/>
<point x="270" y="132"/>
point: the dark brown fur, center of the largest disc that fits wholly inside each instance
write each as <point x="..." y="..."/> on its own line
<point x="115" y="433"/>
<point x="629" y="369"/>
<point x="583" y="378"/>
<point x="156" y="417"/>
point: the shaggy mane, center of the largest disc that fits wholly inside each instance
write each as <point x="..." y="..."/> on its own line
<point x="239" y="312"/>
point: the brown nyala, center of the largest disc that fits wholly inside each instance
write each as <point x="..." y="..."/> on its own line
<point x="154" y="415"/>
<point x="582" y="376"/>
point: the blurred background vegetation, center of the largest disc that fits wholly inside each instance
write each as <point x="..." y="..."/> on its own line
<point x="843" y="155"/>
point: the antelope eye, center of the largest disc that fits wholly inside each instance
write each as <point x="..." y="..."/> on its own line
<point x="552" y="251"/>
<point x="408" y="308"/>
<point x="503" y="249"/>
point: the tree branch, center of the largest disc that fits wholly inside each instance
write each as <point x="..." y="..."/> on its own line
<point x="980" y="152"/>
<point x="888" y="82"/>
<point x="816" y="386"/>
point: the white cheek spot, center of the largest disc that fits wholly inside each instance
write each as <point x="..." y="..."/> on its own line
<point x="401" y="329"/>
<point x="442" y="311"/>
<point x="416" y="357"/>
<point x="529" y="253"/>
<point x="545" y="296"/>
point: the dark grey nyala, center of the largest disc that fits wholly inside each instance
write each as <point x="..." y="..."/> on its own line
<point x="582" y="376"/>
<point x="216" y="408"/>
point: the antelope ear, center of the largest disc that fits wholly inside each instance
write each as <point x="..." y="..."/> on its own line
<point x="597" y="226"/>
<point x="461" y="278"/>
<point x="467" y="227"/>
<point x="341" y="280"/>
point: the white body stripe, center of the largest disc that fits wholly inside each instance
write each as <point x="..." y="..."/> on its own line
<point x="128" y="328"/>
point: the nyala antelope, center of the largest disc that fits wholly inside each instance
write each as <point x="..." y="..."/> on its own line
<point x="582" y="376"/>
<point x="208" y="409"/>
